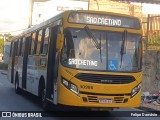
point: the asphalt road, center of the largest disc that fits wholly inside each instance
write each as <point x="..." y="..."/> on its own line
<point x="10" y="102"/>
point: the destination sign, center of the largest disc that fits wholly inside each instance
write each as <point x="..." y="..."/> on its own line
<point x="104" y="20"/>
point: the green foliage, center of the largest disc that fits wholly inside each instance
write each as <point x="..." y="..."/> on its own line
<point x="1" y="42"/>
<point x="9" y="38"/>
<point x="3" y="66"/>
<point x="1" y="45"/>
<point x="154" y="40"/>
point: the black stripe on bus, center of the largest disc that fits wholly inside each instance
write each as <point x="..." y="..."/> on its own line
<point x="103" y="94"/>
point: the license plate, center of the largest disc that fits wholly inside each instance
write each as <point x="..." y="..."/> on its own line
<point x="105" y="100"/>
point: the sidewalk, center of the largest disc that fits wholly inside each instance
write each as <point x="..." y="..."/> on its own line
<point x="151" y="106"/>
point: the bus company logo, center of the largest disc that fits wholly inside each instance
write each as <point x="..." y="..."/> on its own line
<point x="6" y="114"/>
<point x="21" y="114"/>
<point x="106" y="81"/>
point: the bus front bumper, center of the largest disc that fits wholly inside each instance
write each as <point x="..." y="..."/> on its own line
<point x="69" y="98"/>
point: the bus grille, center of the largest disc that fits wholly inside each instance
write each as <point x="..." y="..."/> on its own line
<point x="118" y="99"/>
<point x="105" y="79"/>
<point x="94" y="99"/>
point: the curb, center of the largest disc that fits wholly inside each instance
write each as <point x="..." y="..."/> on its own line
<point x="150" y="110"/>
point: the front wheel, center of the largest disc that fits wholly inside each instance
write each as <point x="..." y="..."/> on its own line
<point x="44" y="102"/>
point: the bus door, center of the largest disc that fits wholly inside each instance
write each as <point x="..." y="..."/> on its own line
<point x="25" y="59"/>
<point x="13" y="54"/>
<point x="52" y="68"/>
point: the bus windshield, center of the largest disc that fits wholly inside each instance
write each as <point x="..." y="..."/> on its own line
<point x="79" y="51"/>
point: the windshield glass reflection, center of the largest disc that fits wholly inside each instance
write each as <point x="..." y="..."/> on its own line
<point x="80" y="52"/>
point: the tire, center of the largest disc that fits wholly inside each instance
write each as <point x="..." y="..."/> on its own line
<point x="17" y="89"/>
<point x="44" y="102"/>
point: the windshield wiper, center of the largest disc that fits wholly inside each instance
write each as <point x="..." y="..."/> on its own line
<point x="123" y="46"/>
<point x="136" y="56"/>
<point x="137" y="50"/>
<point x="93" y="38"/>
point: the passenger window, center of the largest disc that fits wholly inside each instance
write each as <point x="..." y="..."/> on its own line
<point x="45" y="44"/>
<point x="16" y="50"/>
<point x="30" y="43"/>
<point x="23" y="46"/>
<point x="33" y="44"/>
<point x="39" y="41"/>
<point x="42" y="41"/>
<point x="20" y="47"/>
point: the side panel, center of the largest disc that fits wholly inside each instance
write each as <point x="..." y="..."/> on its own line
<point x="38" y="70"/>
<point x="34" y="70"/>
<point x="41" y="59"/>
<point x="31" y="71"/>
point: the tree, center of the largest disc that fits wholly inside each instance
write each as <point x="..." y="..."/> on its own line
<point x="8" y="37"/>
<point x="1" y="45"/>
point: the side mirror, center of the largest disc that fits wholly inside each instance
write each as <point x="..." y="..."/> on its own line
<point x="60" y="38"/>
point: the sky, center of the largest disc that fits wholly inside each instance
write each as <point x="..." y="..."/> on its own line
<point x="149" y="8"/>
<point x="14" y="14"/>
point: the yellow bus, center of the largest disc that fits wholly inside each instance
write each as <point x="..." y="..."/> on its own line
<point x="80" y="58"/>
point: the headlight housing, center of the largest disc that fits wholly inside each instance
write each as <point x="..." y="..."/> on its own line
<point x="135" y="90"/>
<point x="69" y="85"/>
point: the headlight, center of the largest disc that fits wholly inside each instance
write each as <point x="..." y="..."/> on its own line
<point x="65" y="83"/>
<point x="136" y="90"/>
<point x="72" y="87"/>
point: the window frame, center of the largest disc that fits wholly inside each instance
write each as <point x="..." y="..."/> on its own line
<point x="33" y="43"/>
<point x="48" y="39"/>
<point x="39" y="40"/>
